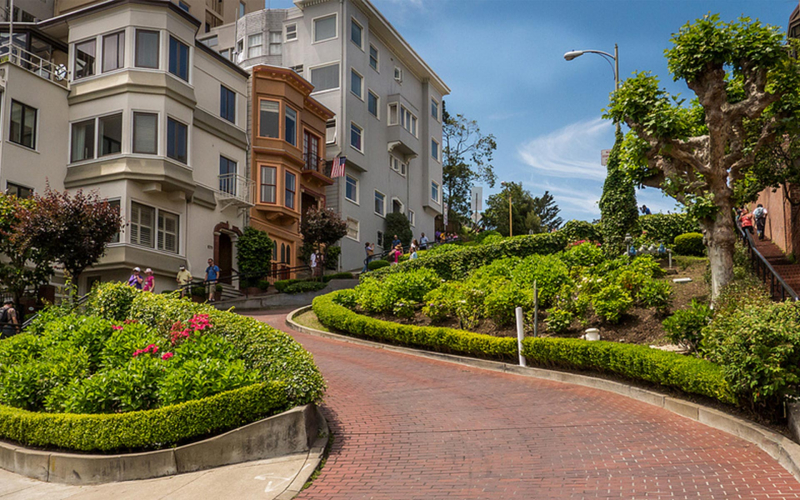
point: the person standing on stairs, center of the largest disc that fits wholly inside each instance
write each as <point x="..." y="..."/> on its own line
<point x="760" y="214"/>
<point x="746" y="220"/>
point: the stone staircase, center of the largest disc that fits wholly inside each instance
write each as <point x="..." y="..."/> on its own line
<point x="789" y="272"/>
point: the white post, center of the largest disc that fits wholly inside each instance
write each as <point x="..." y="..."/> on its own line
<point x="669" y="252"/>
<point x="520" y="336"/>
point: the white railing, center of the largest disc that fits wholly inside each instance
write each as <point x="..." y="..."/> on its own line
<point x="236" y="188"/>
<point x="18" y="56"/>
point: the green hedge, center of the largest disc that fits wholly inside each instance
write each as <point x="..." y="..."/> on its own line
<point x="281" y="285"/>
<point x="305" y="286"/>
<point x="691" y="375"/>
<point x="338" y="276"/>
<point x="665" y="227"/>
<point x="690" y="244"/>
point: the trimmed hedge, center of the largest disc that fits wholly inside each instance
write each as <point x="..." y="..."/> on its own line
<point x="377" y="264"/>
<point x="281" y="285"/>
<point x="305" y="286"/>
<point x="691" y="375"/>
<point x="665" y="227"/>
<point x="337" y="276"/>
<point x="690" y="244"/>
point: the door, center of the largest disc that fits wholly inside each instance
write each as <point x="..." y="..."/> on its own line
<point x="225" y="258"/>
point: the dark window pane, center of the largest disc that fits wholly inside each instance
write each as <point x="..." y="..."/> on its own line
<point x="290" y="190"/>
<point x="82" y="140"/>
<point x="227" y="104"/>
<point x="84" y="59"/>
<point x="178" y="59"/>
<point x="110" y="134"/>
<point x="269" y="119"/>
<point x="290" y="126"/>
<point x="176" y="140"/>
<point x="23" y="125"/>
<point x="147" y="49"/>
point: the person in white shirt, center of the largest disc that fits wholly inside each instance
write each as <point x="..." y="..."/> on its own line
<point x="423" y="242"/>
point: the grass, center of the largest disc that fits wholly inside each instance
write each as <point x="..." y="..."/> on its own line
<point x="684" y="261"/>
<point x="309" y="319"/>
<point x="322" y="462"/>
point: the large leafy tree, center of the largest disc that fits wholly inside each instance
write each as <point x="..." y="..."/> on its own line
<point x="528" y="213"/>
<point x="254" y="255"/>
<point x="466" y="159"/>
<point x="72" y="230"/>
<point x="618" y="204"/>
<point x="746" y="84"/>
<point x="321" y="228"/>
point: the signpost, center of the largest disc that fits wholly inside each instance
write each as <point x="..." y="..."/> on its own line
<point x="604" y="156"/>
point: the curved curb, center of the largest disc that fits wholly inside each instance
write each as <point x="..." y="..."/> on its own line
<point x="300" y="430"/>
<point x="777" y="446"/>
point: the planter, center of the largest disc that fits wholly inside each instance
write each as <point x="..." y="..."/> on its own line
<point x="252" y="290"/>
<point x="198" y="299"/>
<point x="217" y="296"/>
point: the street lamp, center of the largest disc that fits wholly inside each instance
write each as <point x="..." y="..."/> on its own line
<point x="572" y="54"/>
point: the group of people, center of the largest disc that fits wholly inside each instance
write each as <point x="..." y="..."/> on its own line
<point x="317" y="260"/>
<point x="396" y="250"/>
<point x="445" y="237"/>
<point x="758" y="218"/>
<point x="184" y="279"/>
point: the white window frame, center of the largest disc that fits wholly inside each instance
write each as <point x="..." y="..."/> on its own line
<point x="406" y="122"/>
<point x="402" y="205"/>
<point x="384" y="204"/>
<point x="155" y="234"/>
<point x="348" y="176"/>
<point x="438" y="192"/>
<point x="286" y="33"/>
<point x="177" y="232"/>
<point x="398" y="74"/>
<point x="250" y="46"/>
<point x="323" y="65"/>
<point x="361" y="129"/>
<point x="358" y="229"/>
<point x="438" y="156"/>
<point x="397" y="165"/>
<point x="377" y="113"/>
<point x="314" y="40"/>
<point x="353" y="20"/>
<point x="96" y="119"/>
<point x="360" y="93"/>
<point x="389" y="107"/>
<point x="334" y="131"/>
<point x="438" y="114"/>
<point x="412" y="217"/>
<point x="377" y="66"/>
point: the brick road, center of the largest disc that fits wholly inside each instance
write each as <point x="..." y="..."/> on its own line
<point x="413" y="428"/>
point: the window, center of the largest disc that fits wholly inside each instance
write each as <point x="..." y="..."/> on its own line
<point x="227" y="104"/>
<point x="397" y="206"/>
<point x="356" y="83"/>
<point x="254" y="45"/>
<point x="291" y="32"/>
<point x="268" y="184"/>
<point x="434" y="109"/>
<point x="412" y="218"/>
<point x="393" y="114"/>
<point x="240" y="46"/>
<point x="167" y="232"/>
<point x="23" y="125"/>
<point x="325" y="78"/>
<point x="434" y="149"/>
<point x="145" y="133"/>
<point x="269" y="119"/>
<point x="435" y="191"/>
<point x="408" y="121"/>
<point x="398" y="74"/>
<point x="211" y="41"/>
<point x="147" y="46"/>
<point x="115" y="205"/>
<point x="141" y="221"/>
<point x="330" y="131"/>
<point x="311" y="152"/>
<point x="178" y="59"/>
<point x="351" y="188"/>
<point x="325" y="28"/>
<point x="397" y="165"/>
<point x="241" y="9"/>
<point x="291" y="188"/>
<point x="18" y="191"/>
<point x="109" y="134"/>
<point x="297" y="69"/>
<point x="290" y="126"/>
<point x="226" y="53"/>
<point x="227" y="175"/>
<point x="82" y="140"/>
<point x="84" y="59"/>
<point x="373" y="57"/>
<point x="275" y="42"/>
<point x="352" y="228"/>
<point x="177" y="140"/>
<point x="380" y="203"/>
<point x="113" y="51"/>
<point x="372" y="103"/>
<point x="379" y="241"/>
<point x="355" y="136"/>
<point x="183" y="5"/>
<point x="356" y="33"/>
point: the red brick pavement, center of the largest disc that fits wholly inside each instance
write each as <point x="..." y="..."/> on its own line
<point x="407" y="427"/>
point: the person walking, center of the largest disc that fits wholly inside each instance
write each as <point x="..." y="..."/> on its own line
<point x="184" y="279"/>
<point x="320" y="263"/>
<point x="149" y="281"/>
<point x="423" y="242"/>
<point x="760" y="215"/>
<point x="212" y="274"/>
<point x="369" y="251"/>
<point x="136" y="279"/>
<point x="313" y="259"/>
<point x="9" y="322"/>
<point x="746" y="220"/>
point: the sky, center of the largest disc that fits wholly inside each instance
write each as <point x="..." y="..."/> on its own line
<point x="503" y="61"/>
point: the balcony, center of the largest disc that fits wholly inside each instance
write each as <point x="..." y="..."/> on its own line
<point x="16" y="55"/>
<point x="235" y="190"/>
<point x="316" y="170"/>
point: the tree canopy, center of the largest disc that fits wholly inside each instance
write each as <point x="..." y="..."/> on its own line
<point x="529" y="214"/>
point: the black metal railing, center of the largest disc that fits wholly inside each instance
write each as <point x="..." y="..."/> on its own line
<point x="76" y="304"/>
<point x="778" y="288"/>
<point x="406" y="249"/>
<point x="236" y="282"/>
<point x="315" y="163"/>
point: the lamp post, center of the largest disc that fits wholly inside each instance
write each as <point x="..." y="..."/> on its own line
<point x="572" y="54"/>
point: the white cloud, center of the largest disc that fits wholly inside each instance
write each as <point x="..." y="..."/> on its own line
<point x="572" y="151"/>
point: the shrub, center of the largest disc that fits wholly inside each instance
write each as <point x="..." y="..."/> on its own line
<point x="251" y="247"/>
<point x="338" y="276"/>
<point x="112" y="301"/>
<point x="549" y="273"/>
<point x="611" y="302"/>
<point x="690" y="244"/>
<point x="397" y="223"/>
<point x="686" y="325"/>
<point x="666" y="227"/>
<point x="576" y="230"/>
<point x="332" y="258"/>
<point x="281" y="285"/>
<point x="381" y="296"/>
<point x="377" y="264"/>
<point x="558" y="320"/>
<point x="582" y="254"/>
<point x="305" y="286"/>
<point x="263" y="285"/>
<point x="480" y="237"/>
<point x="198" y="291"/>
<point x="501" y="303"/>
<point x="492" y="239"/>
<point x="656" y="294"/>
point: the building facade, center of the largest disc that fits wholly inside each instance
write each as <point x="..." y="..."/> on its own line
<point x="119" y="98"/>
<point x="387" y="105"/>
<point x="287" y="158"/>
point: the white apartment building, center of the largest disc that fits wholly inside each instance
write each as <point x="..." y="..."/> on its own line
<point x="120" y="99"/>
<point x="387" y="102"/>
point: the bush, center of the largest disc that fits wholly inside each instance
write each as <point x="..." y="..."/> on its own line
<point x="263" y="285"/>
<point x="558" y="320"/>
<point x="666" y="227"/>
<point x="305" y="286"/>
<point x="690" y="244"/>
<point x="582" y="254"/>
<point x="281" y="285"/>
<point x="481" y="237"/>
<point x="198" y="291"/>
<point x="686" y="325"/>
<point x="381" y="296"/>
<point x="611" y="302"/>
<point x="576" y="230"/>
<point x="377" y="264"/>
<point x="492" y="239"/>
<point x="397" y="223"/>
<point x="251" y="247"/>
<point x="332" y="258"/>
<point x="656" y="294"/>
<point x="338" y="276"/>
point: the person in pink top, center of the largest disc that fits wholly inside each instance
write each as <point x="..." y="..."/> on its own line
<point x="149" y="280"/>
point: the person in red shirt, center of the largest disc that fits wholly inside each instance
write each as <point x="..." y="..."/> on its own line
<point x="746" y="220"/>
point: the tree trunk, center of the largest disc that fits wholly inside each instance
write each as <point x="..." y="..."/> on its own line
<point x="720" y="239"/>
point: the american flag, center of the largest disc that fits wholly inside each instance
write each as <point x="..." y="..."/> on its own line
<point x="337" y="170"/>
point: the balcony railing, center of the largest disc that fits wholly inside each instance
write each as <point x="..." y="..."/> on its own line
<point x="314" y="163"/>
<point x="236" y="189"/>
<point x="18" y="56"/>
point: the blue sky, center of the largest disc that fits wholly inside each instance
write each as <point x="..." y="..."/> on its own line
<point x="503" y="60"/>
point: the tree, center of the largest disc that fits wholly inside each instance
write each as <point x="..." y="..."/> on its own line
<point x="618" y="209"/>
<point x="254" y="255"/>
<point x="24" y="267"/>
<point x="71" y="230"/>
<point x="321" y="228"/>
<point x="466" y="159"/>
<point x="529" y="213"/>
<point x="746" y="84"/>
<point x="397" y="223"/>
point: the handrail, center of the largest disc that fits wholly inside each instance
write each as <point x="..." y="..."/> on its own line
<point x="757" y="259"/>
<point x="236" y="277"/>
<point x="33" y="63"/>
<point x="385" y="253"/>
<point x="82" y="300"/>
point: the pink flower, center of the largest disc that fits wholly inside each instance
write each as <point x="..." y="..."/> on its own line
<point x="116" y="327"/>
<point x="166" y="356"/>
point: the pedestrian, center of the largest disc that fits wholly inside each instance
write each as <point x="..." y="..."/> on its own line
<point x="320" y="263"/>
<point x="184" y="279"/>
<point x="9" y="322"/>
<point x="212" y="274"/>
<point x="136" y="279"/>
<point x="760" y="215"/>
<point x="396" y="241"/>
<point x="645" y="210"/>
<point x="313" y="259"/>
<point x="423" y="242"/>
<point x="746" y="220"/>
<point x="149" y="281"/>
<point x="369" y="251"/>
<point x="413" y="255"/>
<point x="398" y="252"/>
<point x="414" y="246"/>
<point x="437" y="236"/>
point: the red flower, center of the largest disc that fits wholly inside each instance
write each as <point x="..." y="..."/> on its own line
<point x="166" y="356"/>
<point x="116" y="327"/>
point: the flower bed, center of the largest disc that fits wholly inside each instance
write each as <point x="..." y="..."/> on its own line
<point x="144" y="371"/>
